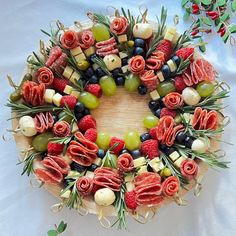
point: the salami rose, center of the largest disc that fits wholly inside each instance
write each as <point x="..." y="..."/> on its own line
<point x="119" y="25"/>
<point x="149" y="79"/>
<point x="137" y="64"/>
<point x="125" y="162"/>
<point x="189" y="169"/>
<point x="45" y="76"/>
<point x="173" y="100"/>
<point x="170" y="186"/>
<point x="86" y="39"/>
<point x="155" y="61"/>
<point x="69" y="39"/>
<point x="61" y="129"/>
<point x="84" y="185"/>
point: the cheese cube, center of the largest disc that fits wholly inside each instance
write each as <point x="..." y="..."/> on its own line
<point x="158" y="166"/>
<point x="154" y="95"/>
<point x="170" y="33"/>
<point x="66" y="158"/>
<point x="97" y="161"/>
<point x="171" y="65"/>
<point x="172" y="29"/>
<point x="123" y="55"/>
<point x="75" y="93"/>
<point x="68" y="72"/>
<point x="122" y="38"/>
<point x="74" y="128"/>
<point x="142" y="170"/>
<point x="75" y="77"/>
<point x="160" y="76"/>
<point x="48" y="95"/>
<point x="129" y="178"/>
<point x="66" y="194"/>
<point x="68" y="89"/>
<point x="125" y="68"/>
<point x="76" y="51"/>
<point x="80" y="57"/>
<point x="174" y="156"/>
<point x="129" y="186"/>
<point x="57" y="99"/>
<point x="139" y="162"/>
<point x="89" y="174"/>
<point x="175" y="38"/>
<point x="73" y="173"/>
<point x="153" y="161"/>
<point x="179" y="161"/>
<point x="95" y="66"/>
<point x="90" y="51"/>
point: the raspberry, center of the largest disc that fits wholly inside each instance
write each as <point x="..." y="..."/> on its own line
<point x="55" y="148"/>
<point x="87" y="122"/>
<point x="150" y="148"/>
<point x="120" y="145"/>
<point x="59" y="84"/>
<point x="69" y="100"/>
<point x="91" y="134"/>
<point x="95" y="89"/>
<point x="167" y="112"/>
<point x="130" y="200"/>
<point x="153" y="133"/>
<point x="179" y="83"/>
<point x="165" y="46"/>
<point x="184" y="53"/>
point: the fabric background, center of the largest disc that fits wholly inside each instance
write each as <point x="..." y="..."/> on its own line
<point x="25" y="210"/>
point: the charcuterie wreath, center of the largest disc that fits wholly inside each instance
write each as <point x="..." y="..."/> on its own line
<point x="129" y="171"/>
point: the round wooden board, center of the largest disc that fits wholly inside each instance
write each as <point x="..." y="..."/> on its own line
<point x="116" y="115"/>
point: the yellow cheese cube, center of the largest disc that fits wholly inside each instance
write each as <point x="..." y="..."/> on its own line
<point x="171" y="65"/>
<point x="160" y="76"/>
<point x="154" y="95"/>
<point x="122" y="38"/>
<point x="142" y="170"/>
<point x="66" y="158"/>
<point x="129" y="178"/>
<point x="57" y="99"/>
<point x="179" y="161"/>
<point x="129" y="186"/>
<point x="170" y="33"/>
<point x="174" y="156"/>
<point x="48" y="95"/>
<point x="139" y="162"/>
<point x="76" y="51"/>
<point x="90" y="51"/>
<point x="74" y="128"/>
<point x="175" y="38"/>
<point x="68" y="89"/>
<point x="73" y="173"/>
<point x="158" y="166"/>
<point x="66" y="194"/>
<point x="68" y="72"/>
<point x="97" y="161"/>
<point x="123" y="55"/>
<point x="125" y="68"/>
<point x="80" y="57"/>
<point x="75" y="93"/>
<point x="89" y="174"/>
<point x="75" y="77"/>
<point x="172" y="29"/>
<point x="153" y="161"/>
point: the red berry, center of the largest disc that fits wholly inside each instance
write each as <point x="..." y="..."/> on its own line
<point x="167" y="112"/>
<point x="179" y="83"/>
<point x="55" y="148"/>
<point x="87" y="122"/>
<point x="195" y="9"/>
<point x="195" y="32"/>
<point x="120" y="145"/>
<point x="215" y="17"/>
<point x="69" y="100"/>
<point x="212" y="13"/>
<point x="91" y="134"/>
<point x="130" y="200"/>
<point x="59" y="84"/>
<point x="95" y="89"/>
<point x="185" y="53"/>
<point x="150" y="148"/>
<point x="165" y="46"/>
<point x="153" y="133"/>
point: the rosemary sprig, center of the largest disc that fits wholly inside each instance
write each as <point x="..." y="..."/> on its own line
<point x="182" y="67"/>
<point x="182" y="41"/>
<point x="35" y="62"/>
<point x="160" y="31"/>
<point x="108" y="157"/>
<point x="97" y="60"/>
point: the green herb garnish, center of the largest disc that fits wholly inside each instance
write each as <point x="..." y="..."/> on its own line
<point x="58" y="229"/>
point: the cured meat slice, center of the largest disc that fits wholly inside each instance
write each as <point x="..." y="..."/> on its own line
<point x="43" y="122"/>
<point x="107" y="178"/>
<point x="54" y="54"/>
<point x="173" y="100"/>
<point x="84" y="185"/>
<point x="137" y="64"/>
<point x="45" y="76"/>
<point x="106" y="47"/>
<point x="59" y="65"/>
<point x="49" y="176"/>
<point x="82" y="151"/>
<point x="170" y="186"/>
<point x="155" y="61"/>
<point x="61" y="129"/>
<point x="189" y="169"/>
<point x="119" y="25"/>
<point x="86" y="39"/>
<point x="69" y="39"/>
<point x="125" y="162"/>
<point x="149" y="79"/>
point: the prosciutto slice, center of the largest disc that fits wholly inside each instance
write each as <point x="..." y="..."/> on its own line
<point x="43" y="122"/>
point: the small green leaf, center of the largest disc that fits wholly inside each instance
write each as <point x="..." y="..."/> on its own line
<point x="232" y="29"/>
<point x="221" y="3"/>
<point x="206" y="2"/>
<point x="233" y="5"/>
<point x="184" y="2"/>
<point x="219" y="26"/>
<point x="207" y="21"/>
<point x="61" y="227"/>
<point x="202" y="46"/>
<point x="225" y="16"/>
<point x="186" y="15"/>
<point x="197" y="1"/>
<point x="225" y="37"/>
<point x="188" y="9"/>
<point x="52" y="232"/>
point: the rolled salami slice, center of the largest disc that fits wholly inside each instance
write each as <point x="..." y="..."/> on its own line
<point x="84" y="185"/>
<point x="155" y="61"/>
<point x="61" y="129"/>
<point x="125" y="162"/>
<point x="119" y="25"/>
<point x="43" y="122"/>
<point x="86" y="39"/>
<point x="170" y="186"/>
<point x="173" y="100"/>
<point x="137" y="64"/>
<point x="149" y="79"/>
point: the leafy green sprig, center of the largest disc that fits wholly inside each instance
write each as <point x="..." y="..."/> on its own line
<point x="183" y="41"/>
<point x="58" y="229"/>
<point x="108" y="158"/>
<point x="97" y="60"/>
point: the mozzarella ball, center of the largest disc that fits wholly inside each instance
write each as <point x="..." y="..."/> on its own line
<point x="199" y="145"/>
<point x="112" y="61"/>
<point x="104" y="197"/>
<point x="27" y="126"/>
<point x="142" y="30"/>
<point x="191" y="96"/>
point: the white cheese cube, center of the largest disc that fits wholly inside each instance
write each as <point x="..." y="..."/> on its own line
<point x="171" y="65"/>
<point x="129" y="178"/>
<point x="139" y="162"/>
<point x="174" y="156"/>
<point x="123" y="55"/>
<point x="179" y="161"/>
<point x="95" y="66"/>
<point x="97" y="161"/>
<point x="172" y="29"/>
<point x="170" y="33"/>
<point x="80" y="57"/>
<point x="48" y="95"/>
<point x="154" y="161"/>
<point x="75" y="93"/>
<point x="75" y="77"/>
<point x="175" y="38"/>
<point x="129" y="186"/>
<point x="74" y="128"/>
<point x="154" y="95"/>
<point x="76" y="51"/>
<point x="68" y="89"/>
<point x="122" y="38"/>
<point x="142" y="170"/>
<point x="73" y="173"/>
<point x="125" y="68"/>
<point x="68" y="72"/>
<point x="90" y="51"/>
<point x="57" y="99"/>
<point x="66" y="194"/>
<point x="160" y="76"/>
<point x="89" y="174"/>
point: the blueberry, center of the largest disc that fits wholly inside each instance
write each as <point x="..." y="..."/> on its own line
<point x="86" y="112"/>
<point x="180" y="137"/>
<point x="157" y="112"/>
<point x="145" y="137"/>
<point x="93" y="167"/>
<point x="166" y="71"/>
<point x="124" y="61"/>
<point x="79" y="107"/>
<point x="188" y="141"/>
<point x="162" y="147"/>
<point x="91" y="57"/>
<point x="93" y="79"/>
<point x="124" y="151"/>
<point x="101" y="153"/>
<point x="120" y="81"/>
<point x="78" y="115"/>
<point x="77" y="167"/>
<point x="169" y="150"/>
<point x="139" y="43"/>
<point x="154" y="104"/>
<point x="176" y="60"/>
<point x="55" y="118"/>
<point x="135" y="153"/>
<point x="142" y="90"/>
<point x="138" y="51"/>
<point x="100" y="72"/>
<point x="116" y="72"/>
<point x="89" y="72"/>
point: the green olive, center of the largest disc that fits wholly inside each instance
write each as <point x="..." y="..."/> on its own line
<point x="83" y="65"/>
<point x="40" y="142"/>
<point x="178" y="119"/>
<point x="130" y="43"/>
<point x="15" y="96"/>
<point x="27" y="77"/>
<point x="166" y="172"/>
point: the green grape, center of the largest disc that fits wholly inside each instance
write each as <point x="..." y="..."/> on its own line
<point x="150" y="121"/>
<point x="132" y="140"/>
<point x="178" y="119"/>
<point x="100" y="32"/>
<point x="103" y="140"/>
<point x="165" y="87"/>
<point x="40" y="142"/>
<point x="16" y="95"/>
<point x="110" y="160"/>
<point x="205" y="89"/>
<point x="132" y="82"/>
<point x="89" y="100"/>
<point x="64" y="116"/>
<point x="108" y="85"/>
<point x="166" y="172"/>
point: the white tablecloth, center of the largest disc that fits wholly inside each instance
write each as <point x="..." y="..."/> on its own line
<point x="25" y="210"/>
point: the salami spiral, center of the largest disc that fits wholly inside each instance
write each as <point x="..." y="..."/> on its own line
<point x="165" y="46"/>
<point x="155" y="61"/>
<point x="55" y="168"/>
<point x="149" y="79"/>
<point x="61" y="129"/>
<point x="69" y="39"/>
<point x="106" y="47"/>
<point x="119" y="25"/>
<point x="43" y="122"/>
<point x="45" y="76"/>
<point x="82" y="151"/>
<point x="107" y="178"/>
<point x="170" y="186"/>
<point x="189" y="169"/>
<point x="125" y="162"/>
<point x="173" y="100"/>
<point x="84" y="185"/>
<point x="137" y="64"/>
<point x="148" y="189"/>
<point x="33" y="93"/>
<point x="86" y="39"/>
<point x="203" y="119"/>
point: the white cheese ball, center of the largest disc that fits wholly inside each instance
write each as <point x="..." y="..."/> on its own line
<point x="112" y="61"/>
<point x="27" y="126"/>
<point x="191" y="96"/>
<point x="199" y="145"/>
<point x="142" y="30"/>
<point x="104" y="197"/>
